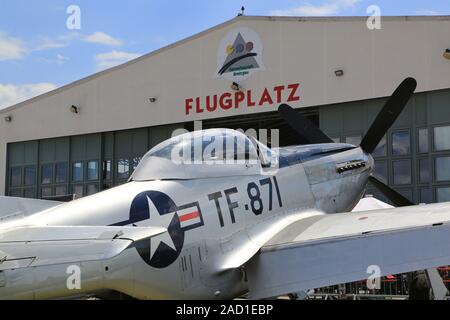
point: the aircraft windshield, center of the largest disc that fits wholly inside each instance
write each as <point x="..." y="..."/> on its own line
<point x="215" y="150"/>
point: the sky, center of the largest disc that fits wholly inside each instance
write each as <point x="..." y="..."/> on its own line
<point x="49" y="43"/>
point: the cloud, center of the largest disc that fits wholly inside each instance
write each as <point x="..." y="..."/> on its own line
<point x="103" y="38"/>
<point x="11" y="48"/>
<point x="325" y="9"/>
<point x="47" y="43"/>
<point x="113" y="58"/>
<point x="60" y="59"/>
<point x="12" y="94"/>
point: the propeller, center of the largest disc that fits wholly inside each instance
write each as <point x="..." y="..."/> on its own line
<point x="387" y="116"/>
<point x="305" y="128"/>
<point x="310" y="133"/>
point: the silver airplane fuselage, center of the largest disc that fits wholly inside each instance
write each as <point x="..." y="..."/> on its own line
<point x="206" y="217"/>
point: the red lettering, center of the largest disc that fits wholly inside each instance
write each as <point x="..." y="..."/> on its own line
<point x="188" y="105"/>
<point x="213" y="107"/>
<point x="265" y="98"/>
<point x="250" y="102"/>
<point x="279" y="90"/>
<point x="198" y="108"/>
<point x="292" y="96"/>
<point x="238" y="98"/>
<point x="225" y="101"/>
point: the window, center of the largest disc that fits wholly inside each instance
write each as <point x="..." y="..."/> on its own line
<point x="78" y="171"/>
<point x="123" y="169"/>
<point x="61" y="172"/>
<point x="16" y="177"/>
<point x="443" y="194"/>
<point x="380" y="150"/>
<point x="424" y="171"/>
<point x="423" y="141"/>
<point x="92" y="170"/>
<point x="16" y="193"/>
<point x="91" y="189"/>
<point x="47" y="174"/>
<point x="78" y="191"/>
<point x="136" y="162"/>
<point x="46" y="192"/>
<point x="60" y="191"/>
<point x="354" y="140"/>
<point x="401" y="143"/>
<point x="401" y="172"/>
<point x="441" y="138"/>
<point x="336" y="140"/>
<point x="442" y="165"/>
<point x="380" y="171"/>
<point x="107" y="170"/>
<point x="30" y="176"/>
<point x="425" y="195"/>
<point x="30" y="193"/>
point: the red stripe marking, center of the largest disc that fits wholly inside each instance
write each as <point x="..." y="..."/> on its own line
<point x="189" y="216"/>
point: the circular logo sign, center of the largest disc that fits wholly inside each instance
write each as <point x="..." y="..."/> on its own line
<point x="239" y="55"/>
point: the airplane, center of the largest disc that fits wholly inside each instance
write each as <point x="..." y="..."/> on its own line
<point x="194" y="222"/>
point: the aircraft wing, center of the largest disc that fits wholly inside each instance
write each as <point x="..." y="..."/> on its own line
<point x="24" y="247"/>
<point x="12" y="208"/>
<point x="341" y="248"/>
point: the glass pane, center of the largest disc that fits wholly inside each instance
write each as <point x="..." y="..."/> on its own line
<point x="425" y="195"/>
<point x="443" y="169"/>
<point x="91" y="189"/>
<point x="123" y="169"/>
<point x="29" y="193"/>
<point x="380" y="171"/>
<point x="93" y="170"/>
<point x="78" y="172"/>
<point x="354" y="140"/>
<point x="107" y="170"/>
<point x="424" y="171"/>
<point x="441" y="138"/>
<point x="136" y="162"/>
<point x="443" y="194"/>
<point x="78" y="191"/>
<point x="61" y="173"/>
<point x="16" y="177"/>
<point x="61" y="191"/>
<point x="380" y="150"/>
<point x="107" y="185"/>
<point x="401" y="143"/>
<point x="336" y="140"/>
<point x="47" y="174"/>
<point x="16" y="193"/>
<point x="30" y="176"/>
<point x="423" y="140"/>
<point x="401" y="172"/>
<point x="407" y="193"/>
<point x="46" y="192"/>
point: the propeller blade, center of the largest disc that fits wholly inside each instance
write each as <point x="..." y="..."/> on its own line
<point x="397" y="199"/>
<point x="306" y="129"/>
<point x="390" y="112"/>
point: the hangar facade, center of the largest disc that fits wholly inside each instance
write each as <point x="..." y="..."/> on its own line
<point x="89" y="135"/>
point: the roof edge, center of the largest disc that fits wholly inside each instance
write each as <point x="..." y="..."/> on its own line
<point x="216" y="27"/>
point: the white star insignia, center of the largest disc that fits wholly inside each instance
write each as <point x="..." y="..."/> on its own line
<point x="164" y="222"/>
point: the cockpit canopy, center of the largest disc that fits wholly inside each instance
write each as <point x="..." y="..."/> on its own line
<point x="200" y="154"/>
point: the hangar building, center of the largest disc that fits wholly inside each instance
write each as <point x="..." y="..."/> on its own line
<point x="89" y="135"/>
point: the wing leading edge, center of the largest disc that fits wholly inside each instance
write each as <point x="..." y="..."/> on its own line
<point x="24" y="247"/>
<point x="342" y="248"/>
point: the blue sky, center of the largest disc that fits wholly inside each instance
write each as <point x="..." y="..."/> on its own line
<point x="39" y="53"/>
